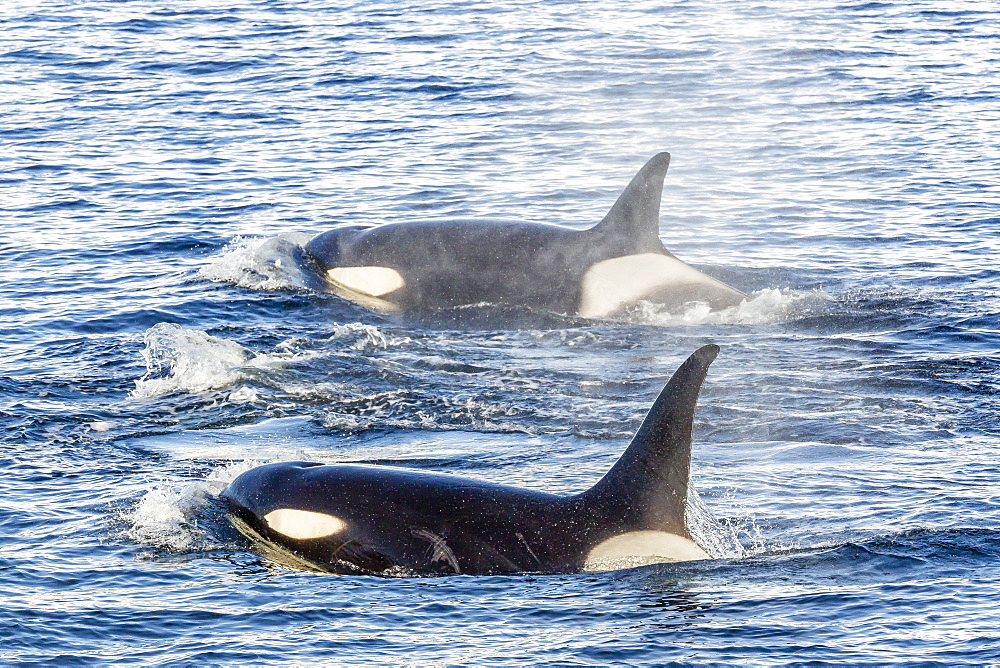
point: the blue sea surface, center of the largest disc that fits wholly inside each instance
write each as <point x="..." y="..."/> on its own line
<point x="838" y="161"/>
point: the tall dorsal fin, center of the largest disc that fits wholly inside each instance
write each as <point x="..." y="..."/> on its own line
<point x="647" y="488"/>
<point x="635" y="217"/>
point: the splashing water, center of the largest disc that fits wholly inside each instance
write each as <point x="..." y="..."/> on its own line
<point x="273" y="263"/>
<point x="163" y="517"/>
<point x="189" y="360"/>
<point x="166" y="517"/>
<point x="718" y="539"/>
<point x="365" y="337"/>
<point x="764" y="306"/>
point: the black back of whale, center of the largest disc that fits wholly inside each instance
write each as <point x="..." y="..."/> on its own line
<point x="452" y="263"/>
<point x="432" y="523"/>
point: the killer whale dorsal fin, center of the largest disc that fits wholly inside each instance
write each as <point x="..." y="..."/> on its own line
<point x="647" y="488"/>
<point x="635" y="216"/>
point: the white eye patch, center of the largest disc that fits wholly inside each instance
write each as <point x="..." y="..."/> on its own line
<point x="372" y="281"/>
<point x="303" y="524"/>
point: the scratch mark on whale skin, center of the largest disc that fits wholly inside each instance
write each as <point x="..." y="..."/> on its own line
<point x="441" y="550"/>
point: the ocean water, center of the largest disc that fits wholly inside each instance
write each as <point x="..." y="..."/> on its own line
<point x="162" y="162"/>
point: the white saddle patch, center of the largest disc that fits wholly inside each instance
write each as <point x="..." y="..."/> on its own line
<point x="303" y="524"/>
<point x="640" y="548"/>
<point x="611" y="285"/>
<point x="372" y="281"/>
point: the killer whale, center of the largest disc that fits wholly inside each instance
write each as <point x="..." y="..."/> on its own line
<point x="388" y="520"/>
<point x="411" y="267"/>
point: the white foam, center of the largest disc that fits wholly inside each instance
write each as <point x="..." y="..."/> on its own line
<point x="243" y="395"/>
<point x="271" y="263"/>
<point x="166" y="516"/>
<point x="189" y="360"/>
<point x="380" y="410"/>
<point x="763" y="306"/>
<point x="365" y="337"/>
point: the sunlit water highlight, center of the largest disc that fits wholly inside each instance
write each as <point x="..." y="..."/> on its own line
<point x="837" y="162"/>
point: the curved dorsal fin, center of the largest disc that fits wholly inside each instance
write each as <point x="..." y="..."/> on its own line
<point x="647" y="487"/>
<point x="635" y="217"/>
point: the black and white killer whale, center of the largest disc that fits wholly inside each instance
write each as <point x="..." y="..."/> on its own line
<point x="386" y="520"/>
<point x="417" y="266"/>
